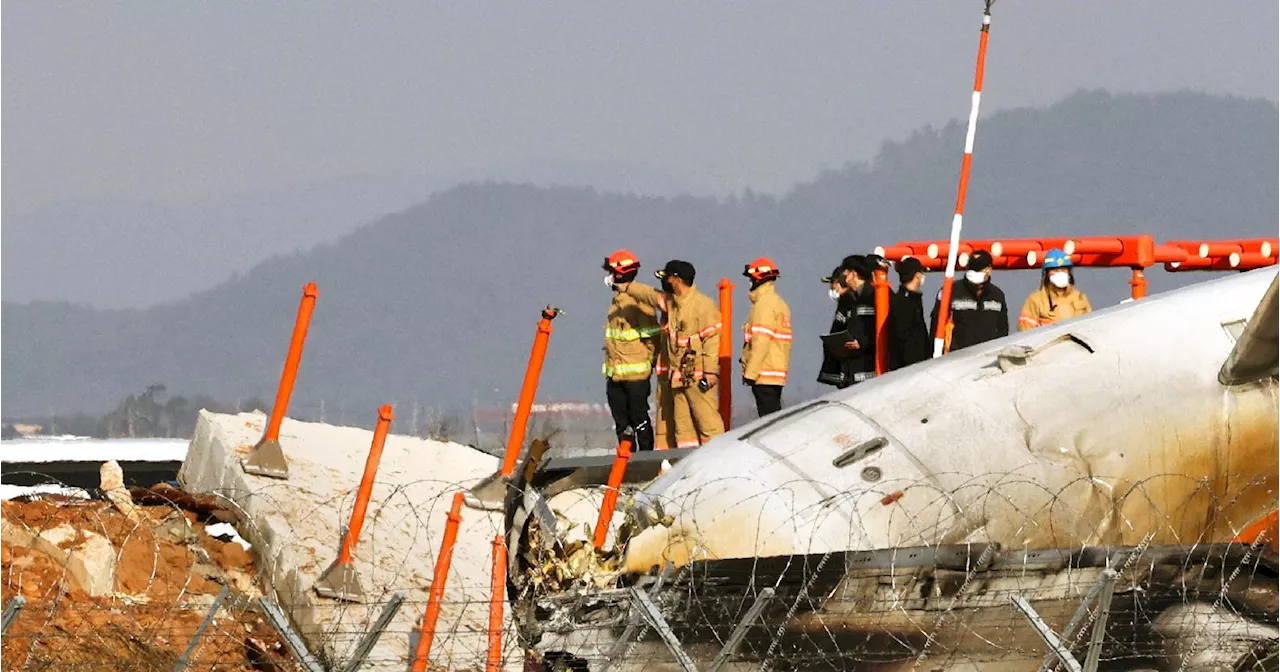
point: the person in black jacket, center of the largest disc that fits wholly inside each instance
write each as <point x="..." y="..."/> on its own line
<point x="855" y="314"/>
<point x="979" y="312"/>
<point x="909" y="339"/>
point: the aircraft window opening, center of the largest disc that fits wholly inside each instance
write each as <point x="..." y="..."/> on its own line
<point x="859" y="451"/>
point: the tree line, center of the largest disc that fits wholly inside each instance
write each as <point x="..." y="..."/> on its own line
<point x="151" y="413"/>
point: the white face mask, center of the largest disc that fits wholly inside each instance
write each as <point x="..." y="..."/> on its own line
<point x="976" y="277"/>
<point x="608" y="281"/>
<point x="835" y="295"/>
<point x="921" y="284"/>
<point x="1060" y="280"/>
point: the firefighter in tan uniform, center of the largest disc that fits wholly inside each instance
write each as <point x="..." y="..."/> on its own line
<point x="766" y="347"/>
<point x="664" y="428"/>
<point x="1057" y="298"/>
<point x="691" y="347"/>
<point x="630" y="341"/>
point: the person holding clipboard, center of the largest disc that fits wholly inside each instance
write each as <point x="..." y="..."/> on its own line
<point x="848" y="350"/>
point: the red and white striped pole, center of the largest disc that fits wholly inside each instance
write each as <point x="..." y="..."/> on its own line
<point x="953" y="251"/>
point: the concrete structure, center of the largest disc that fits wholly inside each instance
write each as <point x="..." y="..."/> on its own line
<point x="295" y="527"/>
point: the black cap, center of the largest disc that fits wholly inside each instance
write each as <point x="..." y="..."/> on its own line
<point x="907" y="268"/>
<point x="676" y="269"/>
<point x="860" y="264"/>
<point x="980" y="260"/>
<point x="835" y="275"/>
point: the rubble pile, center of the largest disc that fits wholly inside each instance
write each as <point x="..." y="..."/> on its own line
<point x="124" y="583"/>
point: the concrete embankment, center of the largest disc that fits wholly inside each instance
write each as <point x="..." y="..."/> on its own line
<point x="296" y="524"/>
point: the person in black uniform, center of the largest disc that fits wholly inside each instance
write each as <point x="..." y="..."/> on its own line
<point x="909" y="340"/>
<point x="855" y="314"/>
<point x="979" y="312"/>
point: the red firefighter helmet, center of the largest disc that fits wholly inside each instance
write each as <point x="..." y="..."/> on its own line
<point x="621" y="262"/>
<point x="762" y="268"/>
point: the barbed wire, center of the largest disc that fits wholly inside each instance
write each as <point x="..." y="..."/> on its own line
<point x="89" y="583"/>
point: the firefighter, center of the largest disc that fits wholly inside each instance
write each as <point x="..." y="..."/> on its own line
<point x="691" y="346"/>
<point x="1057" y="298"/>
<point x="664" y="428"/>
<point x="909" y="335"/>
<point x="856" y="317"/>
<point x="766" y="348"/>
<point x="978" y="312"/>
<point x="630" y="334"/>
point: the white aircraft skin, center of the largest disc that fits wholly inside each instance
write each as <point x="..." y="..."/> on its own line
<point x="1116" y="425"/>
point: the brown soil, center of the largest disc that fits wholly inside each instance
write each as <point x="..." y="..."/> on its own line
<point x="163" y="585"/>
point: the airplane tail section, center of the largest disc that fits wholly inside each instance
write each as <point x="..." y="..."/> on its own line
<point x="1256" y="352"/>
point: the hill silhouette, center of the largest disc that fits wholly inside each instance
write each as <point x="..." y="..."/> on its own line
<point x="438" y="303"/>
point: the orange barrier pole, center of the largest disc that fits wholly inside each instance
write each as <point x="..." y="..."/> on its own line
<point x="726" y="350"/>
<point x="939" y="250"/>
<point x="1218" y="249"/>
<point x="1139" y="284"/>
<point x="953" y="247"/>
<point x="1199" y="264"/>
<point x="611" y="493"/>
<point x="527" y="391"/>
<point x="427" y="632"/>
<point x="894" y="252"/>
<point x="267" y="458"/>
<point x="1015" y="248"/>
<point x="290" y="373"/>
<point x="1264" y="246"/>
<point x="366" y="484"/>
<point x="498" y="590"/>
<point x="1268" y="525"/>
<point x="1093" y="246"/>
<point x="1249" y="260"/>
<point x="340" y="580"/>
<point x="880" y="279"/>
<point x="1169" y="253"/>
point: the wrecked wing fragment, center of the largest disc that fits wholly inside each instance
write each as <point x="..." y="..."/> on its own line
<point x="1255" y="354"/>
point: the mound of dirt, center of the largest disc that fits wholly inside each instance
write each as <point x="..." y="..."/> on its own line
<point x="167" y="572"/>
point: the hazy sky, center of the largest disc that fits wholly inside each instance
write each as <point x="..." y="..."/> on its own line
<point x="169" y="102"/>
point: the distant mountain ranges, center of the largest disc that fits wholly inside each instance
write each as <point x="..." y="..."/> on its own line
<point x="437" y="304"/>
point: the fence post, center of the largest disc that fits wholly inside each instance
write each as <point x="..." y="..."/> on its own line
<point x="880" y="280"/>
<point x="726" y="351"/>
<point x="267" y="458"/>
<point x="498" y="590"/>
<point x="340" y="581"/>
<point x="371" y="637"/>
<point x="185" y="658"/>
<point x="490" y="492"/>
<point x="611" y="493"/>
<point x="527" y="391"/>
<point x="427" y="631"/>
<point x="11" y="609"/>
<point x="291" y="638"/>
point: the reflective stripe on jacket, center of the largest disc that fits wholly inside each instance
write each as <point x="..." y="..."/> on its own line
<point x="1046" y="306"/>
<point x="630" y="336"/>
<point x="766" y="348"/>
<point x="978" y="314"/>
<point x="691" y="339"/>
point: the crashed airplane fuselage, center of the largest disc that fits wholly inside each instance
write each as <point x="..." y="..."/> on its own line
<point x="1156" y="417"/>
